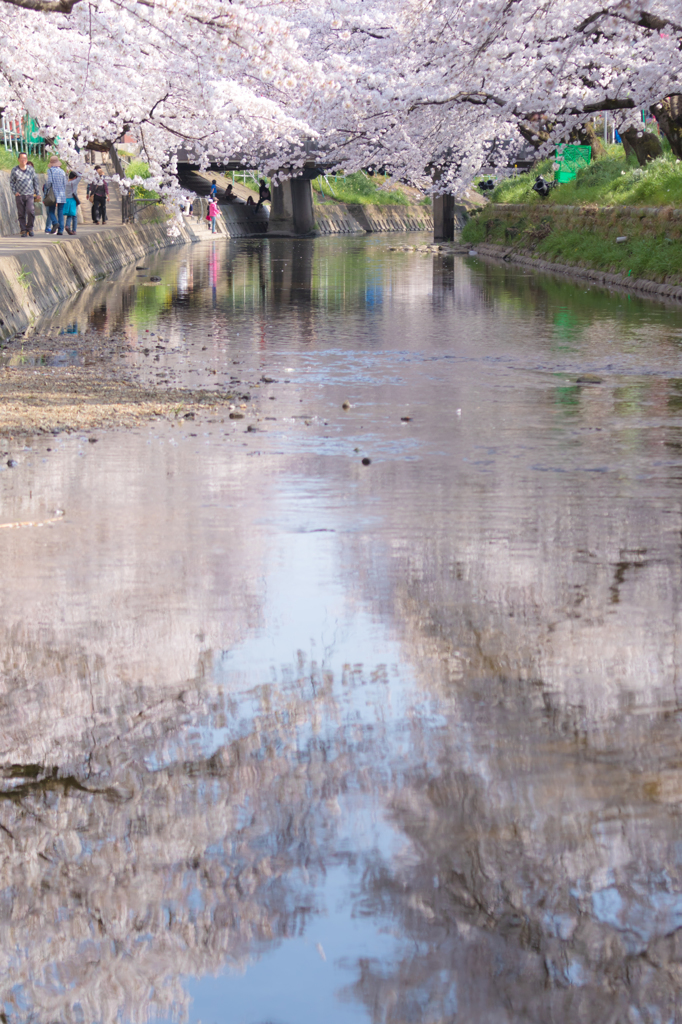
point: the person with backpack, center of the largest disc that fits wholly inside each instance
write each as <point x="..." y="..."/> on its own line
<point x="56" y="194"/>
<point x="98" y="193"/>
<point x="23" y="181"/>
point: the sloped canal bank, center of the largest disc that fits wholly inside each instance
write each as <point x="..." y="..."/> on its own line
<point x="296" y="735"/>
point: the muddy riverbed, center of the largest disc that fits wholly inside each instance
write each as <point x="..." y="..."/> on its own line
<point x="340" y="615"/>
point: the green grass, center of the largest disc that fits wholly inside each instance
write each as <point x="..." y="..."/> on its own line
<point x="8" y="160"/>
<point x="653" y="247"/>
<point x="361" y="188"/>
<point x="140" y="169"/>
<point x="137" y="169"/>
<point x="649" y="258"/>
<point x="610" y="181"/>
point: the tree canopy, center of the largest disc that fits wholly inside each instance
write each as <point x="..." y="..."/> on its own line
<point x="424" y="88"/>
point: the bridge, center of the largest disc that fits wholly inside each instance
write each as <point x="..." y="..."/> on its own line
<point x="291" y="212"/>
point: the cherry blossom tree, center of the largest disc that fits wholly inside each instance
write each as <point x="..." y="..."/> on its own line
<point x="428" y="89"/>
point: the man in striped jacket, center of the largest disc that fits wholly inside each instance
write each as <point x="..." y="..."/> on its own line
<point x="23" y="181"/>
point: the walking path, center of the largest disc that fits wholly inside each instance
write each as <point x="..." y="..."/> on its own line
<point x="14" y="245"/>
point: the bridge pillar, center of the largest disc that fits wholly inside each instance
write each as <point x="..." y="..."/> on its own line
<point x="291" y="208"/>
<point x="443" y="218"/>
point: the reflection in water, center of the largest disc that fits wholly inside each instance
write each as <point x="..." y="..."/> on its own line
<point x="249" y="685"/>
<point x="120" y="879"/>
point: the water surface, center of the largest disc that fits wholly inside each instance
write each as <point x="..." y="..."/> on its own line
<point x="287" y="737"/>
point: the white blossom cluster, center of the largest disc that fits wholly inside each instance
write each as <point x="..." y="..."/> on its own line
<point x="426" y="88"/>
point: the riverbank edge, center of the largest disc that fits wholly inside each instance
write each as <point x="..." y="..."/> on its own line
<point x="33" y="282"/>
<point x="597" y="243"/>
<point x="621" y="282"/>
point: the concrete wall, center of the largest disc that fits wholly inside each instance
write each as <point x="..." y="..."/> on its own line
<point x="391" y="218"/>
<point x="35" y="281"/>
<point x="240" y="221"/>
<point x="342" y="218"/>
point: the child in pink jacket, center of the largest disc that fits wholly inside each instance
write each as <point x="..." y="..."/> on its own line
<point x="212" y="214"/>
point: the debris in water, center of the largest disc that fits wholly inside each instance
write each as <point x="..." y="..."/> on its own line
<point x="346" y="405"/>
<point x="236" y="415"/>
<point x="405" y="419"/>
<point x="366" y="461"/>
<point x="590" y="378"/>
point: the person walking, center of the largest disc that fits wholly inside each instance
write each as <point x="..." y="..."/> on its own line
<point x="57" y="179"/>
<point x="98" y="191"/>
<point x="213" y="194"/>
<point x="212" y="214"/>
<point x="23" y="181"/>
<point x="71" y="208"/>
<point x="50" y="218"/>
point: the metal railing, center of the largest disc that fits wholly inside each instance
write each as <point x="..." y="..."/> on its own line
<point x="130" y="207"/>
<point x="244" y="175"/>
<point x="127" y="208"/>
<point x="20" y="135"/>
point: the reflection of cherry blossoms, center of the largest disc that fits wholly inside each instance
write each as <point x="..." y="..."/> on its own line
<point x="531" y="895"/>
<point x="117" y="882"/>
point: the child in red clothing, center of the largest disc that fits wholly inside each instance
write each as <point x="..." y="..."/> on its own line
<point x="212" y="214"/>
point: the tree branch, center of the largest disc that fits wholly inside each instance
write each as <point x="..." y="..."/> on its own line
<point x="44" y="6"/>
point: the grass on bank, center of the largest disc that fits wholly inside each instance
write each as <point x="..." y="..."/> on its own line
<point x="140" y="169"/>
<point x="8" y="160"/>
<point x="361" y="188"/>
<point x="645" y="254"/>
<point x="609" y="181"/>
<point x="653" y="259"/>
<point x="653" y="249"/>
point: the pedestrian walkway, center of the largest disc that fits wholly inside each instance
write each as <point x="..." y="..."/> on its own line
<point x="14" y="245"/>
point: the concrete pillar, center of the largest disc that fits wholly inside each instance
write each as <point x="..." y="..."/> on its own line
<point x="443" y="218"/>
<point x="291" y="210"/>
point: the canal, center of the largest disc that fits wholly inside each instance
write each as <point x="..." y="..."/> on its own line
<point x="360" y="699"/>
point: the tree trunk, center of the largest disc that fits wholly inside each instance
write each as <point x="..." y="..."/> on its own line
<point x="668" y="113"/>
<point x="537" y="132"/>
<point x="585" y="135"/>
<point x="644" y="145"/>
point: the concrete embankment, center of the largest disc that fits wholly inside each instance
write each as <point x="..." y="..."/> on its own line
<point x="240" y="221"/>
<point x="356" y="218"/>
<point x="637" y="248"/>
<point x="33" y="281"/>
